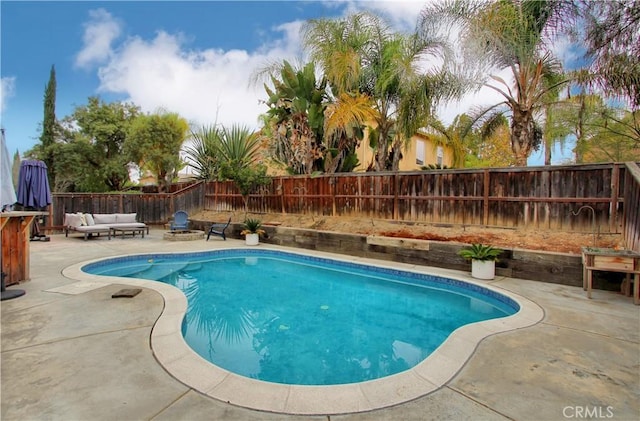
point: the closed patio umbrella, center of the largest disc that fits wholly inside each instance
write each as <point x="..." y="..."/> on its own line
<point x="7" y="198"/>
<point x="33" y="185"/>
<point x="33" y="191"/>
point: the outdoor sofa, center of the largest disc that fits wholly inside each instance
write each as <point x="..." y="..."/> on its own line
<point x="100" y="223"/>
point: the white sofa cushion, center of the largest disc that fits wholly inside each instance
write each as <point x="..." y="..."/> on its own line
<point x="93" y="228"/>
<point x="125" y="218"/>
<point x="104" y="218"/>
<point x="129" y="225"/>
<point x="72" y="220"/>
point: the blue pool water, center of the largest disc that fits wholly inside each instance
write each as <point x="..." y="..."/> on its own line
<point x="293" y="319"/>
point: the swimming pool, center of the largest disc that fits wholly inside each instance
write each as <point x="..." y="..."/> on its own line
<point x="172" y="352"/>
<point x="291" y="319"/>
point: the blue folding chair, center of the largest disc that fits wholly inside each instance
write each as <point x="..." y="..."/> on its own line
<point x="180" y="221"/>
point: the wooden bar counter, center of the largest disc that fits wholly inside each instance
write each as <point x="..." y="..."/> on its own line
<point x="15" y="235"/>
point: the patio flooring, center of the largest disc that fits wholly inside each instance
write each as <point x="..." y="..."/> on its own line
<point x="70" y="351"/>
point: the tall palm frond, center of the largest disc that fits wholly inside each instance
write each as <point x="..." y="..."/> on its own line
<point x="347" y="113"/>
<point x="202" y="152"/>
<point x="239" y="145"/>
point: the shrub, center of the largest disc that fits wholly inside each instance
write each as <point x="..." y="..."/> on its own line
<point x="480" y="252"/>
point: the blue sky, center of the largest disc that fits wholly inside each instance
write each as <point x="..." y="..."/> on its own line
<point x="195" y="58"/>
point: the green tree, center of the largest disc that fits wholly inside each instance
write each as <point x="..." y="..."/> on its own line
<point x="601" y="133"/>
<point x="50" y="130"/>
<point x="91" y="147"/>
<point x="154" y="142"/>
<point x="614" y="136"/>
<point x="573" y="119"/>
<point x="490" y="146"/>
<point x="508" y="34"/>
<point x="74" y="172"/>
<point x="15" y="169"/>
<point x="246" y="178"/>
<point x="361" y="55"/>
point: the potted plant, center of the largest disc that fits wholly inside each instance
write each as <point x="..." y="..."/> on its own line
<point x="252" y="231"/>
<point x="483" y="260"/>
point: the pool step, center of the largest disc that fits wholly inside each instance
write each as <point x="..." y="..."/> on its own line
<point x="160" y="270"/>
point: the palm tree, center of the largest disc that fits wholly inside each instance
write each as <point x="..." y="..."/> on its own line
<point x="344" y="119"/>
<point x="509" y="34"/>
<point x="455" y="136"/>
<point x="612" y="35"/>
<point x="296" y="117"/>
<point x="359" y="55"/>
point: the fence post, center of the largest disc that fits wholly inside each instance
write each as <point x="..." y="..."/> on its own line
<point x="281" y="188"/>
<point x="215" y="195"/>
<point x="613" y="206"/>
<point x="332" y="183"/>
<point x="396" y="211"/>
<point x="485" y="197"/>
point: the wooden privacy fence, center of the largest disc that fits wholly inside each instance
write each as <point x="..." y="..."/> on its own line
<point x="631" y="219"/>
<point x="152" y="208"/>
<point x="581" y="198"/>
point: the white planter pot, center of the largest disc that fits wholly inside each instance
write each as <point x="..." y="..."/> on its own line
<point x="483" y="269"/>
<point x="251" y="239"/>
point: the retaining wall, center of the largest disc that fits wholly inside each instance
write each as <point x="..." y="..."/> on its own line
<point x="559" y="268"/>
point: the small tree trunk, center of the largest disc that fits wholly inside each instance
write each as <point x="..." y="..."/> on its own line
<point x="522" y="132"/>
<point x="381" y="156"/>
<point x="547" y="153"/>
<point x="383" y="147"/>
<point x="397" y="148"/>
<point x="245" y="200"/>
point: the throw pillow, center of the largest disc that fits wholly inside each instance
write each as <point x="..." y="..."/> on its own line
<point x="89" y="218"/>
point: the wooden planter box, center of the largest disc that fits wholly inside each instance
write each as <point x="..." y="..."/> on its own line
<point x="611" y="260"/>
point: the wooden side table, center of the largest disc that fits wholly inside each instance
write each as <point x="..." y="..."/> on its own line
<point x="611" y="260"/>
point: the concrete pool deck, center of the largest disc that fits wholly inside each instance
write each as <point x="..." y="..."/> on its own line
<point x="70" y="351"/>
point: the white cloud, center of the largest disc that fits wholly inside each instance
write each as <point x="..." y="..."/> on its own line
<point x="210" y="85"/>
<point x="99" y="33"/>
<point x="7" y="90"/>
<point x="202" y="85"/>
<point x="402" y="15"/>
<point x="485" y="97"/>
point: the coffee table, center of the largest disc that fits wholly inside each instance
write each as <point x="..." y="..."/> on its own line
<point x="124" y="231"/>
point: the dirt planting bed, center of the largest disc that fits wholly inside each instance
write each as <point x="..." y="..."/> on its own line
<point x="565" y="242"/>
